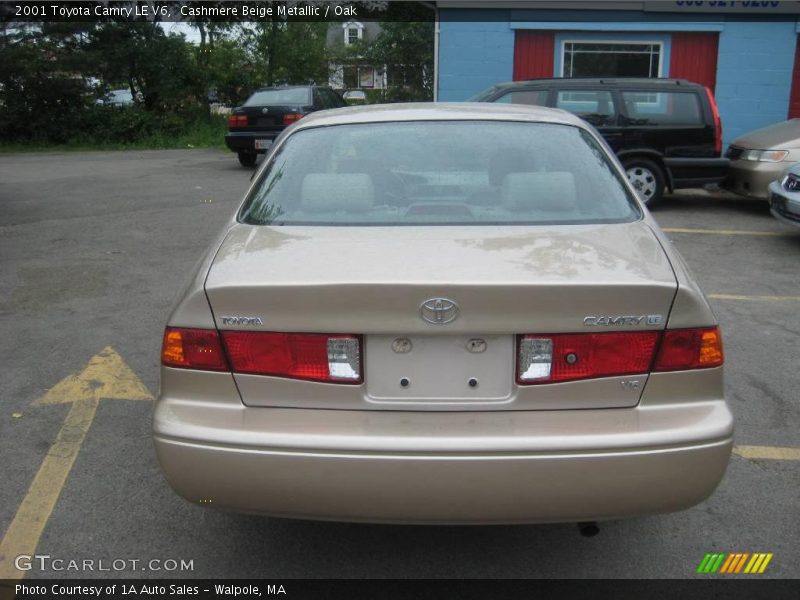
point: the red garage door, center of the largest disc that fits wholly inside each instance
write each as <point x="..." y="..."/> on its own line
<point x="694" y="57"/>
<point x="533" y="54"/>
<point x="794" y="100"/>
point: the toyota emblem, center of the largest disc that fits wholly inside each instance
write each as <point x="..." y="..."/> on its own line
<point x="438" y="311"/>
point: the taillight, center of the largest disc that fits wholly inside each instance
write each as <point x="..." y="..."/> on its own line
<point x="574" y="356"/>
<point x="684" y="349"/>
<point x="569" y="357"/>
<point x="315" y="357"/>
<point x="193" y="349"/>
<point x="717" y="122"/>
<point x="290" y="118"/>
<point x="235" y="121"/>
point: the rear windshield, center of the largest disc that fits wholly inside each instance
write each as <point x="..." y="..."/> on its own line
<point x="439" y="173"/>
<point x="663" y="108"/>
<point x="280" y="97"/>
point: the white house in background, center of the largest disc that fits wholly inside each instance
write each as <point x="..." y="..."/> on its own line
<point x="355" y="74"/>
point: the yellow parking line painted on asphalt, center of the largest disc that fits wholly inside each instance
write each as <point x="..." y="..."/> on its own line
<point x="767" y="452"/>
<point x="726" y="232"/>
<point x="754" y="298"/>
<point x="25" y="530"/>
<point x="106" y="376"/>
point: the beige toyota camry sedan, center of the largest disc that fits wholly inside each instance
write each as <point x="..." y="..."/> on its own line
<point x="442" y="313"/>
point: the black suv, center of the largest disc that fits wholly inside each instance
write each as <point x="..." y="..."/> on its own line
<point x="666" y="132"/>
<point x="253" y="126"/>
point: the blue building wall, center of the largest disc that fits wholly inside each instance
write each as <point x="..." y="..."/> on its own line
<point x="474" y="54"/>
<point x="754" y="75"/>
<point x="754" y="66"/>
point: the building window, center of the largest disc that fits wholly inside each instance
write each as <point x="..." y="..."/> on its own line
<point x="358" y="77"/>
<point x="611" y="59"/>
<point x="353" y="32"/>
<point x="366" y="77"/>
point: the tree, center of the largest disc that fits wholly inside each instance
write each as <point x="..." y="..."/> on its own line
<point x="43" y="91"/>
<point x="288" y="52"/>
<point x="406" y="48"/>
<point x="157" y="67"/>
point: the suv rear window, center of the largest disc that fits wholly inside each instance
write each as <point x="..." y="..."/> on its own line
<point x="433" y="173"/>
<point x="280" y="97"/>
<point x="663" y="108"/>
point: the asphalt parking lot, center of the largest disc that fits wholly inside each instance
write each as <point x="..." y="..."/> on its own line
<point x="95" y="246"/>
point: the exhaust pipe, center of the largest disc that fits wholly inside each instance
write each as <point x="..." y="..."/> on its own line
<point x="588" y="529"/>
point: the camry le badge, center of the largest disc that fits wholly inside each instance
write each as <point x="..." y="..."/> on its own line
<point x="623" y="320"/>
<point x="438" y="311"/>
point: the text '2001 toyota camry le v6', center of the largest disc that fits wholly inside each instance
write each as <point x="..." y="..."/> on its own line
<point x="442" y="313"/>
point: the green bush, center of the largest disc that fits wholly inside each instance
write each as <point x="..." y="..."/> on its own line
<point x="119" y="127"/>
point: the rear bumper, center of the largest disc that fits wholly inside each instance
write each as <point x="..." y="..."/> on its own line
<point x="696" y="172"/>
<point x="245" y="141"/>
<point x="450" y="467"/>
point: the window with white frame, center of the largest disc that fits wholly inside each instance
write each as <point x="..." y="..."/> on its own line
<point x="611" y="59"/>
<point x="353" y="33"/>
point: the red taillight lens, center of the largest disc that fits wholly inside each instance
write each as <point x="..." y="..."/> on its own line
<point x="193" y="349"/>
<point x="311" y="356"/>
<point x="717" y="122"/>
<point x="568" y="357"/>
<point x="683" y="349"/>
<point x="235" y="121"/>
<point x="290" y="118"/>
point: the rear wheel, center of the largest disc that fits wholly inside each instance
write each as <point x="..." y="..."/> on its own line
<point x="247" y="159"/>
<point x="647" y="179"/>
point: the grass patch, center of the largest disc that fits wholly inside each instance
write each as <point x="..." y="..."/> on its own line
<point x="199" y="134"/>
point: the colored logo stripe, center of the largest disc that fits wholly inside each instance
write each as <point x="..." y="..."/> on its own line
<point x="734" y="563"/>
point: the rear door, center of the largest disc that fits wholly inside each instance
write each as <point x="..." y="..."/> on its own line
<point x="670" y="121"/>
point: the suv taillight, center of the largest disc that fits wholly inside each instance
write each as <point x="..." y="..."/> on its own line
<point x="575" y="356"/>
<point x="717" y="122"/>
<point x="235" y="121"/>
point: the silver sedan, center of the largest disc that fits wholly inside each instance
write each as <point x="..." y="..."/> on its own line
<point x="784" y="197"/>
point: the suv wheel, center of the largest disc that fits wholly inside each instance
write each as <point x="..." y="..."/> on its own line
<point x="647" y="179"/>
<point x="247" y="159"/>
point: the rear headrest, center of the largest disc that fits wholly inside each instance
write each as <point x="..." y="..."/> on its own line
<point x="331" y="192"/>
<point x="510" y="160"/>
<point x="553" y="192"/>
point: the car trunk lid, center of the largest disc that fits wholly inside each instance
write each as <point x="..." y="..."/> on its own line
<point x="383" y="283"/>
